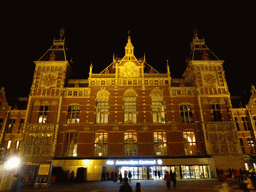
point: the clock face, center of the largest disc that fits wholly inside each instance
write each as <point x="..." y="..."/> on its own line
<point x="209" y="78"/>
<point x="49" y="80"/>
<point x="129" y="70"/>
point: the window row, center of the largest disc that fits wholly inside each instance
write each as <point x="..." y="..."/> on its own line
<point x="130" y="82"/>
<point x="130" y="143"/>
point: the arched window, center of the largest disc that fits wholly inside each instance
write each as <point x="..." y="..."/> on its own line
<point x="130" y="143"/>
<point x="70" y="144"/>
<point x="160" y="144"/>
<point x="73" y="114"/>
<point x="102" y="106"/>
<point x="157" y="100"/>
<point x="130" y="106"/>
<point x="100" y="144"/>
<point x="186" y="114"/>
<point x="190" y="143"/>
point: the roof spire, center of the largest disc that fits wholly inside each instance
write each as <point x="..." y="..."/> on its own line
<point x="129" y="48"/>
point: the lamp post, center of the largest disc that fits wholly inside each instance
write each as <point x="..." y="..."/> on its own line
<point x="9" y="168"/>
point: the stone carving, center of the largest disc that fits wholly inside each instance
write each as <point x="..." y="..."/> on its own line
<point x="157" y="93"/>
<point x="115" y="128"/>
<point x="129" y="69"/>
<point x="145" y="128"/>
<point x="102" y="94"/>
<point x="130" y="93"/>
<point x="86" y="128"/>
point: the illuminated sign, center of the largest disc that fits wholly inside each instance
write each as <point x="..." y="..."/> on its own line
<point x="134" y="162"/>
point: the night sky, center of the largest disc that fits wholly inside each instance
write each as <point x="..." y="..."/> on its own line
<point x="94" y="32"/>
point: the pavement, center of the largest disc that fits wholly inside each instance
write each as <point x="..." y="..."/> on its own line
<point x="188" y="185"/>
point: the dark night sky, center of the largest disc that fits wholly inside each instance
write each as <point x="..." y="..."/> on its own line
<point x="94" y="32"/>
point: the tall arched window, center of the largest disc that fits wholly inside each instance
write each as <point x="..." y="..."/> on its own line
<point x="100" y="144"/>
<point x="73" y="114"/>
<point x="190" y="143"/>
<point x="130" y="143"/>
<point x="160" y="144"/>
<point x="102" y="106"/>
<point x="157" y="101"/>
<point x="130" y="106"/>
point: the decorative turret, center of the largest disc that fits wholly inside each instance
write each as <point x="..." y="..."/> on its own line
<point x="199" y="51"/>
<point x="129" y="48"/>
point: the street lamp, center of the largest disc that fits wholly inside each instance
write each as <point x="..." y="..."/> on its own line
<point x="12" y="163"/>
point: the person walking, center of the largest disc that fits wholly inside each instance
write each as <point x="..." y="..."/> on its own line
<point x="168" y="179"/>
<point x="130" y="175"/>
<point x="138" y="188"/>
<point x="125" y="187"/>
<point x="120" y="177"/>
<point x="248" y="183"/>
<point x="173" y="178"/>
<point x="16" y="185"/>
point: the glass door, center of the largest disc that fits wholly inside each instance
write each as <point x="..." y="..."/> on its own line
<point x="144" y="173"/>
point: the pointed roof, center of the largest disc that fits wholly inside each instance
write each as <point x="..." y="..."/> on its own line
<point x="57" y="50"/>
<point x="199" y="51"/>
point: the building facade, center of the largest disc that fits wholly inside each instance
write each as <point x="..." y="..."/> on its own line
<point x="132" y="118"/>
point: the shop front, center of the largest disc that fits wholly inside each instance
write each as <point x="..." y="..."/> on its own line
<point x="142" y="169"/>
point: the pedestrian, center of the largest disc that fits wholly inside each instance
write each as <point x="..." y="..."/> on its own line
<point x="159" y="174"/>
<point x="248" y="183"/>
<point x="173" y="178"/>
<point x="115" y="177"/>
<point x="120" y="177"/>
<point x="16" y="185"/>
<point x="130" y="175"/>
<point x="125" y="187"/>
<point x="237" y="175"/>
<point x="72" y="176"/>
<point x="107" y="174"/>
<point x="168" y="179"/>
<point x="138" y="188"/>
<point x="223" y="187"/>
<point x="112" y="175"/>
<point x="125" y="174"/>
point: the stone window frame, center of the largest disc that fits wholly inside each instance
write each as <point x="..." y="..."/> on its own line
<point x="101" y="142"/>
<point x="160" y="142"/>
<point x="130" y="142"/>
<point x="72" y="112"/>
<point x="186" y="113"/>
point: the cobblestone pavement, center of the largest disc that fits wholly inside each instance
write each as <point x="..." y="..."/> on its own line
<point x="208" y="185"/>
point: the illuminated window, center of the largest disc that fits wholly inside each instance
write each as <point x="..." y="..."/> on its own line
<point x="158" y="111"/>
<point x="246" y="123"/>
<point x="17" y="145"/>
<point x="216" y="113"/>
<point x="8" y="144"/>
<point x="250" y="142"/>
<point x="186" y="114"/>
<point x="102" y="111"/>
<point x="160" y="145"/>
<point x="100" y="144"/>
<point x="190" y="143"/>
<point x="130" y="143"/>
<point x="73" y="114"/>
<point x="130" y="106"/>
<point x="21" y="125"/>
<point x="43" y="112"/>
<point x="130" y="112"/>
<point x="10" y="125"/>
<point x="70" y="144"/>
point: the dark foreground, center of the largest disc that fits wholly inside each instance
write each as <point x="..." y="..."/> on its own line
<point x="148" y="185"/>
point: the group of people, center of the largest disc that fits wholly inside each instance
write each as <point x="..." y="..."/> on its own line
<point x="127" y="188"/>
<point x="246" y="180"/>
<point x="105" y="176"/>
<point x="170" y="177"/>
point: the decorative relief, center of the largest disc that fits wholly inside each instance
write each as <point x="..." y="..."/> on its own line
<point x="157" y="93"/>
<point x="130" y="93"/>
<point x="221" y="138"/>
<point x="129" y="69"/>
<point x="116" y="128"/>
<point x="102" y="94"/>
<point x="39" y="140"/>
<point x="145" y="128"/>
